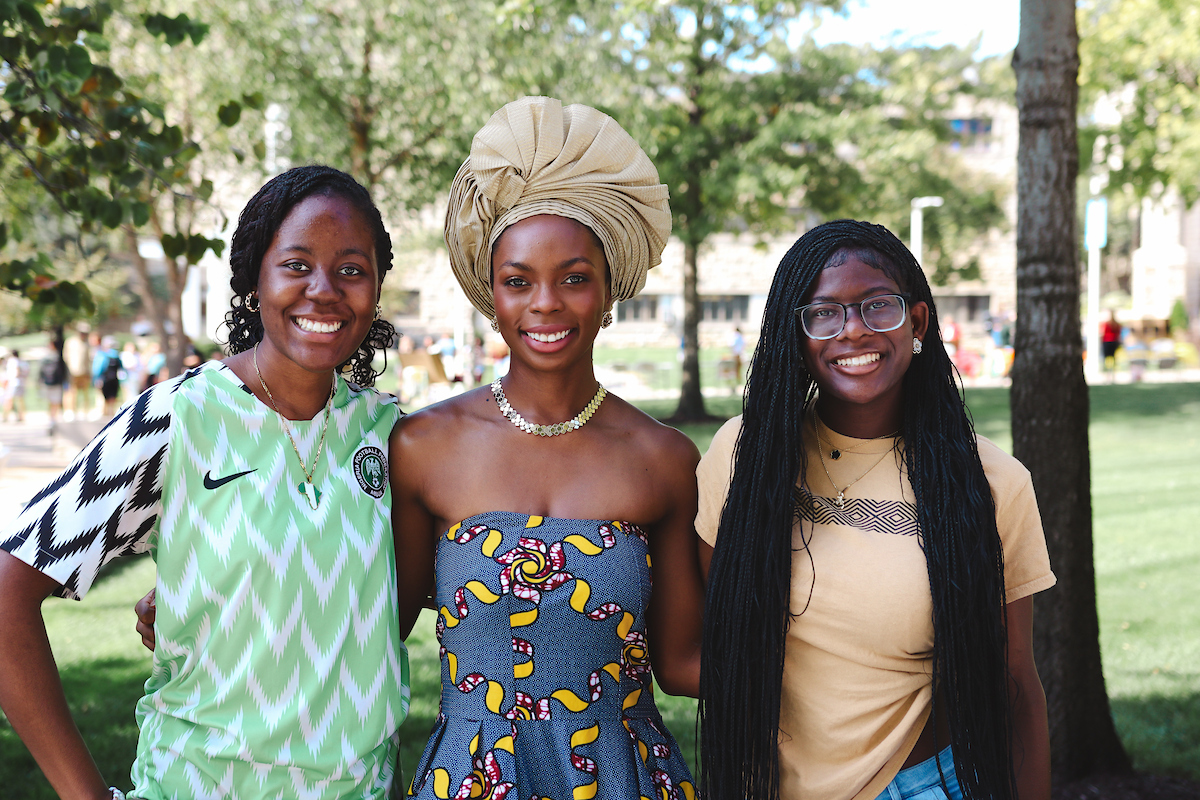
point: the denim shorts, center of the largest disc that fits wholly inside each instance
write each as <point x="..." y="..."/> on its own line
<point x="922" y="782"/>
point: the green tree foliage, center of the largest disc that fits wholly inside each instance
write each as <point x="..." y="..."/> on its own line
<point x="82" y="135"/>
<point x="1140" y="76"/>
<point x="753" y="129"/>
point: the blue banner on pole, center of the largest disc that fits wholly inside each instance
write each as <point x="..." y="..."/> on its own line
<point x="1095" y="225"/>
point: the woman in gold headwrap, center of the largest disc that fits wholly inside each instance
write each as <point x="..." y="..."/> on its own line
<point x="542" y="500"/>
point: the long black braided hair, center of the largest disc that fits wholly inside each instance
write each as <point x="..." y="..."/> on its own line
<point x="748" y="606"/>
<point x="257" y="226"/>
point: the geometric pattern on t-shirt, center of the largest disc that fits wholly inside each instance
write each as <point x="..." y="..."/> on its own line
<point x="894" y="517"/>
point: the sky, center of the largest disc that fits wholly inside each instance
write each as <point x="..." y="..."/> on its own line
<point x="932" y="22"/>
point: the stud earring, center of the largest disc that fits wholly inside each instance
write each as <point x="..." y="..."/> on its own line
<point x="606" y="320"/>
<point x="917" y="346"/>
<point x="253" y="309"/>
<point x="495" y="325"/>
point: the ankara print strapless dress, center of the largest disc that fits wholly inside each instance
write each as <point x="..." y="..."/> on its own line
<point x="546" y="687"/>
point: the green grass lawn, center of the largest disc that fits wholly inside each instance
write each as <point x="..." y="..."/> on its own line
<point x="1146" y="490"/>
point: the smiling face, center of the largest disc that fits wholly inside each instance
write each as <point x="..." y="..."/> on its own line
<point x="318" y="285"/>
<point x="550" y="284"/>
<point x="860" y="372"/>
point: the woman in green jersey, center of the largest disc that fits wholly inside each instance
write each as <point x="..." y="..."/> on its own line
<point x="279" y="668"/>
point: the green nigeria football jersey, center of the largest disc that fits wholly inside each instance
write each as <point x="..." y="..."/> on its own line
<point x="279" y="670"/>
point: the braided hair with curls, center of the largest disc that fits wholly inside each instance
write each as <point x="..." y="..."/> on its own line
<point x="748" y="609"/>
<point x="257" y="226"/>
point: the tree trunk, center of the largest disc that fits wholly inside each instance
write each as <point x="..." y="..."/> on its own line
<point x="691" y="400"/>
<point x="150" y="301"/>
<point x="1049" y="394"/>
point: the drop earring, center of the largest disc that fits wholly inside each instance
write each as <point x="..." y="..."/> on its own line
<point x="253" y="309"/>
<point x="495" y="325"/>
<point x="917" y="346"/>
<point x="606" y="320"/>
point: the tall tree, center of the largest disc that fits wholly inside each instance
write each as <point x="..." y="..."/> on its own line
<point x="1139" y="77"/>
<point x="1049" y="394"/>
<point x="754" y="129"/>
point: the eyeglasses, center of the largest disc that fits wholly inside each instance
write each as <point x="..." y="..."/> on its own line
<point x="881" y="313"/>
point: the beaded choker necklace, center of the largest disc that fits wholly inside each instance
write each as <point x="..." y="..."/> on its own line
<point x="557" y="429"/>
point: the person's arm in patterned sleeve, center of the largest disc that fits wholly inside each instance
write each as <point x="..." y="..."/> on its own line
<point x="104" y="505"/>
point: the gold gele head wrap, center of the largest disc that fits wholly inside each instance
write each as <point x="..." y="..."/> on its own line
<point x="536" y="157"/>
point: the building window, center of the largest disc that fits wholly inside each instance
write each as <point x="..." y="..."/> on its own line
<point x="725" y="308"/>
<point x="404" y="303"/>
<point x="643" y="308"/>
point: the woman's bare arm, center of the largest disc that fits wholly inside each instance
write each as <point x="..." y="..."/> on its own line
<point x="31" y="691"/>
<point x="412" y="523"/>
<point x="677" y="602"/>
<point x="1031" y="734"/>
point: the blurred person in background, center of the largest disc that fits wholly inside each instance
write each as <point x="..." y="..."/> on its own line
<point x="78" y="357"/>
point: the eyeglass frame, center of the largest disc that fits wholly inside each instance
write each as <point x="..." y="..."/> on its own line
<point x="905" y="300"/>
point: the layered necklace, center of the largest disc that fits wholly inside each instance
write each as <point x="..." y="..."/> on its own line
<point x="557" y="429"/>
<point x="840" y="500"/>
<point x="310" y="492"/>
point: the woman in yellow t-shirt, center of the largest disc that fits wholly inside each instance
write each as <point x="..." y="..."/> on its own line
<point x="869" y="615"/>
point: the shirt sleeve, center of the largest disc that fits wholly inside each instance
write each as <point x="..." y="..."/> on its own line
<point x="712" y="479"/>
<point x="105" y="504"/>
<point x="1026" y="560"/>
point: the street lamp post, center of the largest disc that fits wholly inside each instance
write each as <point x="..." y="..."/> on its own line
<point x="917" y="243"/>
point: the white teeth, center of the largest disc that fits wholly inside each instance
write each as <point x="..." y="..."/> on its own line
<point x="312" y="326"/>
<point x="546" y="338"/>
<point x="858" y="361"/>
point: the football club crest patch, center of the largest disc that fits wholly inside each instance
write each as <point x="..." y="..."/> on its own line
<point x="370" y="469"/>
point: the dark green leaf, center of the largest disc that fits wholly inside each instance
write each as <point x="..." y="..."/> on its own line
<point x="253" y="100"/>
<point x="139" y="213"/>
<point x="174" y="245"/>
<point x="196" y="246"/>
<point x="229" y="113"/>
<point x="79" y="62"/>
<point x="205" y="189"/>
<point x="111" y="214"/>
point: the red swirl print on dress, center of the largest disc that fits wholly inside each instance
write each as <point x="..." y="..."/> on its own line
<point x="484" y="781"/>
<point x="533" y="568"/>
<point x="525" y="707"/>
<point x="635" y="657"/>
<point x="467" y="534"/>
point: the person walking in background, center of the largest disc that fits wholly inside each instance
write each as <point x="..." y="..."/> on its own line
<point x="106" y="374"/>
<point x="52" y="374"/>
<point x="1110" y="342"/>
<point x="737" y="348"/>
<point x="78" y="357"/>
<point x="16" y="374"/>
<point x="869" y="620"/>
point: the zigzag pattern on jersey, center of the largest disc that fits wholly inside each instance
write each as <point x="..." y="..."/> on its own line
<point x="106" y="502"/>
<point x="279" y="669"/>
<point x="894" y="517"/>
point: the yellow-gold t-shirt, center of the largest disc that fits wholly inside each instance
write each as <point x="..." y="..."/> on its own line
<point x="857" y="667"/>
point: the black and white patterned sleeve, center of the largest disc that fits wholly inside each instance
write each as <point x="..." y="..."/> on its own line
<point x="106" y="504"/>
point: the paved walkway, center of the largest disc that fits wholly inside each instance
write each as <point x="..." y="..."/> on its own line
<point x="30" y="456"/>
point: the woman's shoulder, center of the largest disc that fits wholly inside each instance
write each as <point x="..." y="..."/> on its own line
<point x="1002" y="470"/>
<point x="655" y="440"/>
<point x="441" y="421"/>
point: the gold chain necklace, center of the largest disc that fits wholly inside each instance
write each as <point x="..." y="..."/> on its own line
<point x="558" y="428"/>
<point x="840" y="502"/>
<point x="310" y="492"/>
<point x="836" y="452"/>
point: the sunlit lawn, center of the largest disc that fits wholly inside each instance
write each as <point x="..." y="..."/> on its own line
<point x="1146" y="490"/>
